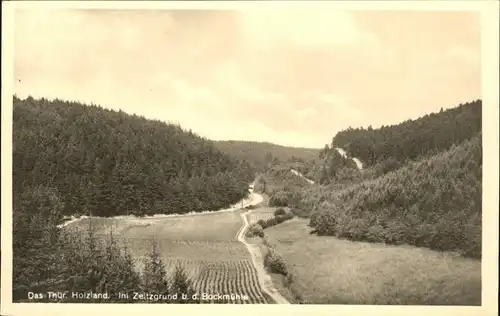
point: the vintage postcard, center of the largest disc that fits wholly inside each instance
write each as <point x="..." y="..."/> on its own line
<point x="158" y="156"/>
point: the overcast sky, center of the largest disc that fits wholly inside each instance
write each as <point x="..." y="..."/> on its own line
<point x="288" y="77"/>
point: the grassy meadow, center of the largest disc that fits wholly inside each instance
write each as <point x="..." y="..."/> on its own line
<point x="327" y="270"/>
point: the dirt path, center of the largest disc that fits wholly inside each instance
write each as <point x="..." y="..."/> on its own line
<point x="295" y="172"/>
<point x="264" y="278"/>
<point x="358" y="162"/>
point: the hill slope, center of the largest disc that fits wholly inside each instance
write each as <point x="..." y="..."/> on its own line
<point x="262" y="154"/>
<point x="434" y="203"/>
<point x="109" y="163"/>
<point x="412" y="139"/>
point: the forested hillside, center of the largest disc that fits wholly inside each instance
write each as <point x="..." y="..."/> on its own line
<point x="108" y="163"/>
<point x="333" y="168"/>
<point x="70" y="158"/>
<point x="264" y="155"/>
<point x="394" y="145"/>
<point x="434" y="203"/>
<point x="422" y="185"/>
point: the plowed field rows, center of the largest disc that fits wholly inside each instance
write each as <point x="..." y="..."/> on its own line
<point x="189" y="250"/>
<point x="222" y="279"/>
<point x="205" y="245"/>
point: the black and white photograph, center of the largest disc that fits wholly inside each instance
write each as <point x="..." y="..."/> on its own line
<point x="265" y="152"/>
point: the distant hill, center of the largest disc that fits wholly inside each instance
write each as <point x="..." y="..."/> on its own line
<point x="107" y="163"/>
<point x="391" y="147"/>
<point x="262" y="155"/>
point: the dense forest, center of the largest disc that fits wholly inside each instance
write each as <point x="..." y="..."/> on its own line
<point x="106" y="163"/>
<point x="333" y="168"/>
<point x="263" y="155"/>
<point x="395" y="145"/>
<point x="70" y="158"/>
<point x="434" y="203"/>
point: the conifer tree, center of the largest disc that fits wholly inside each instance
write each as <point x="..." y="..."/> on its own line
<point x="154" y="277"/>
<point x="182" y="286"/>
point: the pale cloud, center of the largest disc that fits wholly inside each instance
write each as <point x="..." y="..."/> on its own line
<point x="289" y="77"/>
<point x="340" y="106"/>
<point x="302" y="28"/>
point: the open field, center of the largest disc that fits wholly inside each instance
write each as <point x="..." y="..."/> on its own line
<point x="213" y="227"/>
<point x="206" y="245"/>
<point x="327" y="270"/>
<point x="190" y="250"/>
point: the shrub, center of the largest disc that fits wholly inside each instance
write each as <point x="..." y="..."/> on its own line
<point x="300" y="212"/>
<point x="262" y="223"/>
<point x="279" y="211"/>
<point x="271" y="222"/>
<point x="275" y="263"/>
<point x="154" y="276"/>
<point x="356" y="229"/>
<point x="288" y="216"/>
<point x="313" y="219"/>
<point x="182" y="285"/>
<point x="280" y="218"/>
<point x="279" y="199"/>
<point x="375" y="233"/>
<point x="325" y="221"/>
<point x="255" y="230"/>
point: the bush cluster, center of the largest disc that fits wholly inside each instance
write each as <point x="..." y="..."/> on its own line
<point x="262" y="223"/>
<point x="300" y="212"/>
<point x="271" y="222"/>
<point x="275" y="262"/>
<point x="279" y="211"/>
<point x="277" y="219"/>
<point x="279" y="199"/>
<point x="255" y="230"/>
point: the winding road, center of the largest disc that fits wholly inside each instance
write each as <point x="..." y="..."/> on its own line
<point x="358" y="162"/>
<point x="265" y="281"/>
<point x="342" y="152"/>
<point x="295" y="172"/>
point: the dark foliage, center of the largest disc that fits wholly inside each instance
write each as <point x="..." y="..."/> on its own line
<point x="182" y="286"/>
<point x="275" y="262"/>
<point x="279" y="218"/>
<point x="279" y="211"/>
<point x="271" y="222"/>
<point x="264" y="155"/>
<point x="434" y="203"/>
<point x="255" y="230"/>
<point x="262" y="223"/>
<point x="412" y="139"/>
<point x="108" y="163"/>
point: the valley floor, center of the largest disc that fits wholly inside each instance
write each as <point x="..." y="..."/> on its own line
<point x="327" y="270"/>
<point x="209" y="246"/>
